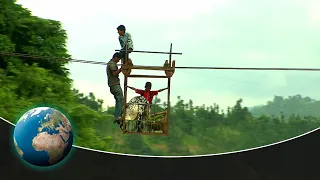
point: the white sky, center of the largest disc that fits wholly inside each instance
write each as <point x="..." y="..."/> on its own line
<point x="242" y="33"/>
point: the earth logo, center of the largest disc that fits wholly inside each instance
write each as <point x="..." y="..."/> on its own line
<point x="43" y="136"/>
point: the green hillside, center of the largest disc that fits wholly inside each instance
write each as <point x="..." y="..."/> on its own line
<point x="298" y="105"/>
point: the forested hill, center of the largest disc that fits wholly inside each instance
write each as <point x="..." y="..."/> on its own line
<point x="298" y="105"/>
<point x="27" y="82"/>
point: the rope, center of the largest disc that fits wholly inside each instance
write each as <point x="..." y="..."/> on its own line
<point x="179" y="67"/>
<point x="52" y="58"/>
<point x="252" y="68"/>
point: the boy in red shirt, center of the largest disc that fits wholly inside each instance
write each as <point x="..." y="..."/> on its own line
<point x="147" y="93"/>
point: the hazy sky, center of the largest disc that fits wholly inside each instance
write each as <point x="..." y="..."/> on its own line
<point x="241" y="33"/>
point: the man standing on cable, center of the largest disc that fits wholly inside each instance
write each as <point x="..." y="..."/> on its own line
<point x="125" y="40"/>
<point x="115" y="88"/>
<point x="147" y="93"/>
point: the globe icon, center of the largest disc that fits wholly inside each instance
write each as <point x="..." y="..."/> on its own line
<point x="43" y="136"/>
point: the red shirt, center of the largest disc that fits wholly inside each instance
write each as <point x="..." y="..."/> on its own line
<point x="147" y="94"/>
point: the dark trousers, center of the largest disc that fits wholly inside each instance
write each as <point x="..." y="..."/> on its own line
<point x="125" y="54"/>
<point x="116" y="91"/>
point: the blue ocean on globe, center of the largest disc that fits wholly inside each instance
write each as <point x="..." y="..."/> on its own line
<point x="43" y="136"/>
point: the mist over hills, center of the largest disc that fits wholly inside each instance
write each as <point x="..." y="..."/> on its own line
<point x="297" y="105"/>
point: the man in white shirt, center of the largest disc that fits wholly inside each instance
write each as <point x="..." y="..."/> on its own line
<point x="124" y="39"/>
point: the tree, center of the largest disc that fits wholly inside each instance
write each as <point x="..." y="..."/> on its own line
<point x="27" y="82"/>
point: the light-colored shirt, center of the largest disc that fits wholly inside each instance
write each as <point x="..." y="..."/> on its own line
<point x="124" y="39"/>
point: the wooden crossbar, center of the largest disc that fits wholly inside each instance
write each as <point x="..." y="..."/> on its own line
<point x="146" y="133"/>
<point x="152" y="52"/>
<point x="157" y="68"/>
<point x="146" y="76"/>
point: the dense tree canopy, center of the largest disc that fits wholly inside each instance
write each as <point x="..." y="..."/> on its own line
<point x="29" y="82"/>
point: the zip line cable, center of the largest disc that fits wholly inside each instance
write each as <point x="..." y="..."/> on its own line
<point x="178" y="67"/>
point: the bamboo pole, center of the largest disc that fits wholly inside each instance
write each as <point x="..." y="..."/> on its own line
<point x="125" y="95"/>
<point x="152" y="52"/>
<point x="169" y="87"/>
<point x="157" y="68"/>
<point x="147" y="76"/>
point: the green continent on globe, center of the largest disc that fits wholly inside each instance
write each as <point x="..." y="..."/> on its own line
<point x="43" y="136"/>
<point x="53" y="144"/>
